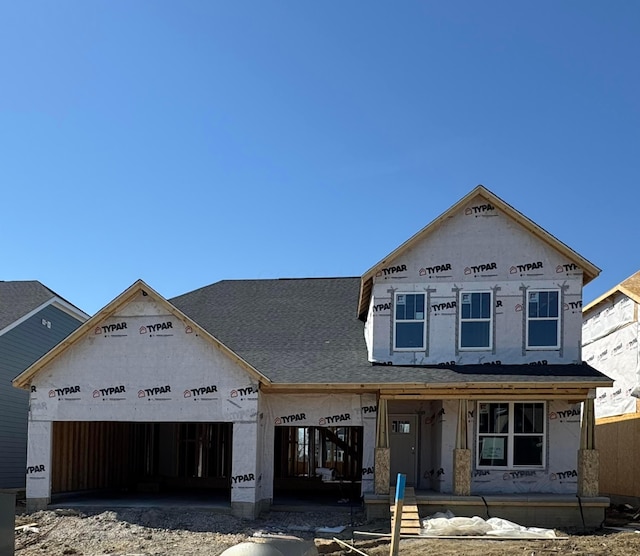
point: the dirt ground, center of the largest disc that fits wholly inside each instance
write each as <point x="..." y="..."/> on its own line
<point x="155" y="532"/>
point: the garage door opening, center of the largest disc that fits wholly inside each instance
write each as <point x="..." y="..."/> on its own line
<point x="144" y="460"/>
<point x="318" y="464"/>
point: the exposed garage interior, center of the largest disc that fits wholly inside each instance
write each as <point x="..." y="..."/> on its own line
<point x="115" y="459"/>
<point x="318" y="464"/>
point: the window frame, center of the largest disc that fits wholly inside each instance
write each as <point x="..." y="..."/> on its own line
<point x="529" y="319"/>
<point x="489" y="347"/>
<point x="423" y="347"/>
<point x="510" y="435"/>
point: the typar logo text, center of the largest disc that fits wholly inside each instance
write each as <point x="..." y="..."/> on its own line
<point x="566" y="416"/>
<point x="245" y="478"/>
<point x="480" y="210"/>
<point x="114" y="330"/>
<point x="62" y="393"/>
<point x="202" y="393"/>
<point x="526" y="268"/>
<point x="436" y="270"/>
<point x="34" y="471"/>
<point x="481" y="269"/>
<point x="245" y="393"/>
<point x="156" y="328"/>
<point x="391" y="270"/>
<point x="295" y="417"/>
<point x="112" y="393"/>
<point x="159" y="393"/>
<point x="332" y="419"/>
<point x="564" y="476"/>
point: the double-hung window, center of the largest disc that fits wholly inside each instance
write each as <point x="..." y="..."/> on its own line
<point x="511" y="434"/>
<point x="409" y="329"/>
<point x="476" y="314"/>
<point x="543" y="319"/>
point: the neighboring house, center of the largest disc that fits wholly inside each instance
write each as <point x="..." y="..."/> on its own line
<point x="33" y="319"/>
<point x="610" y="344"/>
<point x="455" y="360"/>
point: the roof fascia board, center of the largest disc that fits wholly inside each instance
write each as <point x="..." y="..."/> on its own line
<point x="23" y="379"/>
<point x="422" y="387"/>
<point x="589" y="270"/>
<point x="611" y="293"/>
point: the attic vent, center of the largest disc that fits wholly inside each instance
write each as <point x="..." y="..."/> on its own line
<point x="46" y="323"/>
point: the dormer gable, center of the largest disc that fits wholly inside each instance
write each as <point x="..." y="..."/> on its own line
<point x="480" y="206"/>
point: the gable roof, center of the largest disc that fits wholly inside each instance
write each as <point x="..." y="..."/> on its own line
<point x="24" y="379"/>
<point x="589" y="270"/>
<point x="629" y="287"/>
<point x="304" y="335"/>
<point x="20" y="298"/>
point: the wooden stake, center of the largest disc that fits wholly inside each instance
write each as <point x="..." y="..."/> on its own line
<point x="397" y="514"/>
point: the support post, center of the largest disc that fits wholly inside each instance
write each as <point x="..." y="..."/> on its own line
<point x="382" y="462"/>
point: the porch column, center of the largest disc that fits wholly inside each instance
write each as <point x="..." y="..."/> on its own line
<point x="462" y="454"/>
<point x="588" y="456"/>
<point x="382" y="463"/>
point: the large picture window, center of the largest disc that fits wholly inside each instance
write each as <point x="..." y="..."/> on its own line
<point x="511" y="434"/>
<point x="476" y="313"/>
<point x="409" y="332"/>
<point x="543" y="319"/>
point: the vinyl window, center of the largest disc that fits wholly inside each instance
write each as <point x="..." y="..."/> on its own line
<point x="409" y="329"/>
<point x="543" y="319"/>
<point x="511" y="435"/>
<point x="476" y="319"/>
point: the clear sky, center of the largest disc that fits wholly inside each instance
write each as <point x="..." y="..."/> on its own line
<point x="187" y="142"/>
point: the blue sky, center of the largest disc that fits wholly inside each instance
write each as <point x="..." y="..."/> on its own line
<point x="189" y="142"/>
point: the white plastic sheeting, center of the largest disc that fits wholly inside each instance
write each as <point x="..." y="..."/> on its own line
<point x="478" y="249"/>
<point x="610" y="344"/>
<point x="447" y="524"/>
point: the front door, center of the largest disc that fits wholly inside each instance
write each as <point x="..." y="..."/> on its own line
<point x="403" y="438"/>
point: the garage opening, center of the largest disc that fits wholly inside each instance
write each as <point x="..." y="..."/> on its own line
<point x="123" y="459"/>
<point x="318" y="464"/>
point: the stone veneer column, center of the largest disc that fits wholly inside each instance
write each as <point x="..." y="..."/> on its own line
<point x="382" y="470"/>
<point x="588" y="473"/>
<point x="462" y="472"/>
<point x="588" y="456"/>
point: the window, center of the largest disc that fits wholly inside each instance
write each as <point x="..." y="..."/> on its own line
<point x="511" y="434"/>
<point x="475" y="320"/>
<point x="543" y="310"/>
<point x="409" y="325"/>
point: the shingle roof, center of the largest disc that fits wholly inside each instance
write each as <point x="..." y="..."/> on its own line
<point x="18" y="298"/>
<point x="304" y="331"/>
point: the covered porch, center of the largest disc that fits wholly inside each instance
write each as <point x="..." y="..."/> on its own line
<point x="450" y="471"/>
